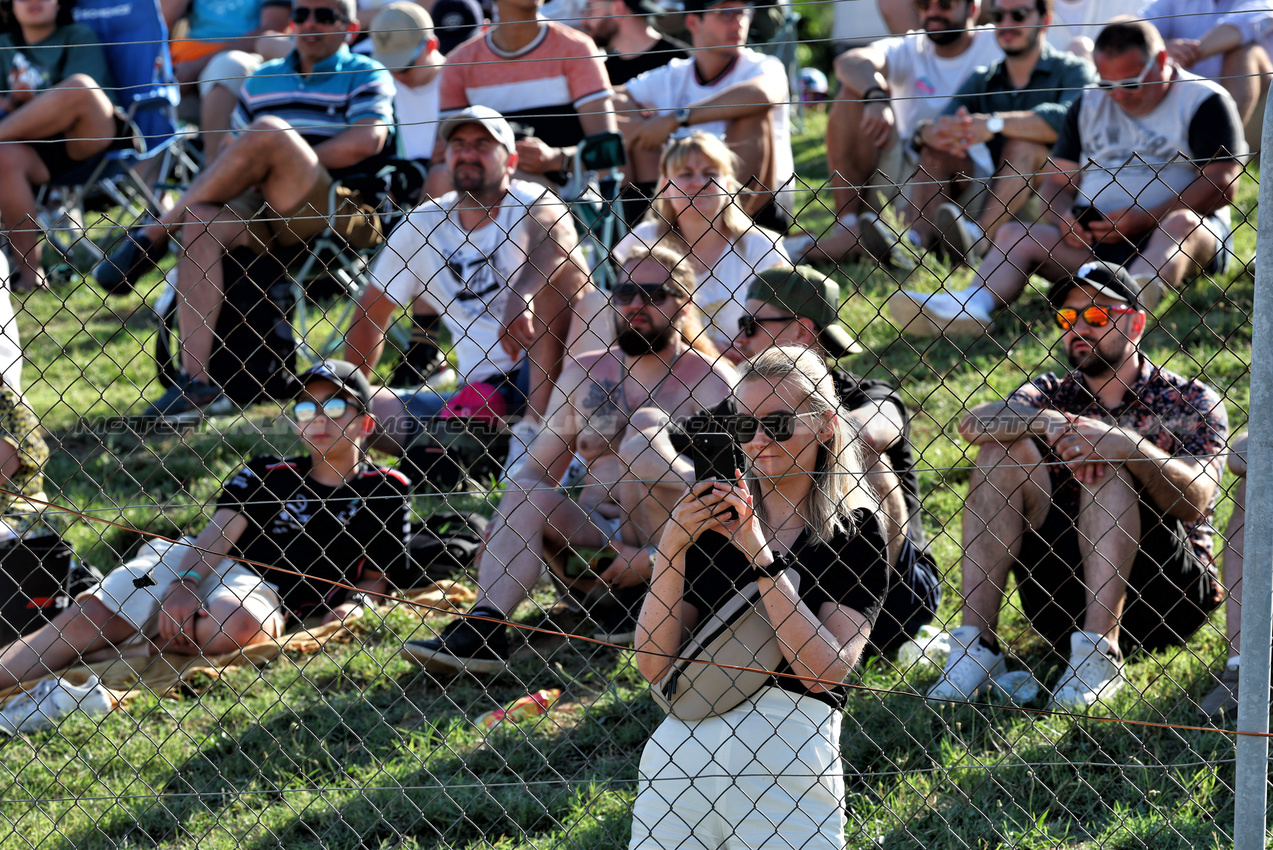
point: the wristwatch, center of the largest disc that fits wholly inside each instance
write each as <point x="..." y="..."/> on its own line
<point x="682" y="116"/>
<point x="995" y="124"/>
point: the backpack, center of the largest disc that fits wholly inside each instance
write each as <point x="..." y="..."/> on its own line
<point x="255" y="354"/>
<point x="39" y="577"/>
<point x="441" y="546"/>
<point x="468" y="439"/>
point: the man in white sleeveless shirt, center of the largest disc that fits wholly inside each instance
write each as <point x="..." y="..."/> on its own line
<point x="1142" y="174"/>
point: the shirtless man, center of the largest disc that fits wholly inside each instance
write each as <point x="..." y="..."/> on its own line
<point x="604" y="435"/>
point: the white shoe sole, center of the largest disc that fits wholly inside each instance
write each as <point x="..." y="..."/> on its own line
<point x="444" y="662"/>
<point x="910" y="318"/>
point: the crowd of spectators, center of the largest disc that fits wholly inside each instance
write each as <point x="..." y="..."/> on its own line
<point x="1100" y="154"/>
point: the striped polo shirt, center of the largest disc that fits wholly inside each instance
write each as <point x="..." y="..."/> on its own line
<point x="542" y="86"/>
<point x="344" y="88"/>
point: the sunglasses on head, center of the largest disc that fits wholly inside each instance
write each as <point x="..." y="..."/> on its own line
<point x="749" y="325"/>
<point x="323" y="16"/>
<point x="333" y="408"/>
<point x="650" y="293"/>
<point x="944" y="5"/>
<point x="1018" y="15"/>
<point x="1131" y="83"/>
<point x="1096" y="316"/>
<point x="779" y="426"/>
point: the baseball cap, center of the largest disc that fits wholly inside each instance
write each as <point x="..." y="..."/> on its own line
<point x="1106" y="278"/>
<point x="397" y="32"/>
<point x="455" y="22"/>
<point x="809" y="294"/>
<point x="487" y="117"/>
<point x="698" y="7"/>
<point x="345" y="375"/>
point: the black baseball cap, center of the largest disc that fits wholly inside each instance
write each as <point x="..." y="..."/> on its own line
<point x="698" y="7"/>
<point x="1106" y="278"/>
<point x="345" y="375"/>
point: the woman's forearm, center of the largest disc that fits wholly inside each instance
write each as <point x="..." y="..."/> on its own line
<point x="812" y="649"/>
<point x="661" y="629"/>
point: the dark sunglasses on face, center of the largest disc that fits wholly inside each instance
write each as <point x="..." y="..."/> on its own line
<point x="650" y="293"/>
<point x="1018" y="16"/>
<point x="332" y="408"/>
<point x="749" y="325"/>
<point x="944" y="5"/>
<point x="1096" y="316"/>
<point x="323" y="16"/>
<point x="779" y="426"/>
<point x="1131" y="83"/>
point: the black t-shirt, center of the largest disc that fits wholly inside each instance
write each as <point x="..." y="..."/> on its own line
<point x="623" y="68"/>
<point x="851" y="570"/>
<point x="333" y="533"/>
<point x="856" y="392"/>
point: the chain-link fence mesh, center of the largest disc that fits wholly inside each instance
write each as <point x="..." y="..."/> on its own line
<point x="619" y="530"/>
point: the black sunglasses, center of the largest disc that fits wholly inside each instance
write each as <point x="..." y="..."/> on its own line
<point x="323" y="16"/>
<point x="650" y="293"/>
<point x="779" y="426"/>
<point x="1018" y="15"/>
<point x="749" y="325"/>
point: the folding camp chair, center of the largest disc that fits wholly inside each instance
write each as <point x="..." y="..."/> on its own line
<point x="135" y="39"/>
<point x="593" y="195"/>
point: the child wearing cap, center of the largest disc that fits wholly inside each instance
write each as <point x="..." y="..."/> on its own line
<point x="326" y="519"/>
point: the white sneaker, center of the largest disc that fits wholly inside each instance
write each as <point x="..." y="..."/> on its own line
<point x="970" y="670"/>
<point x="1095" y="673"/>
<point x="796" y="246"/>
<point x="51" y="700"/>
<point x="937" y="313"/>
<point x="443" y="379"/>
<point x="960" y="235"/>
<point x="521" y="435"/>
<point x="880" y="242"/>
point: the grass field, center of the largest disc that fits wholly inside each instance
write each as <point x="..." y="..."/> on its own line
<point x="354" y="748"/>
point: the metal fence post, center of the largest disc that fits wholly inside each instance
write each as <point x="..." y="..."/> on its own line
<point x="1257" y="583"/>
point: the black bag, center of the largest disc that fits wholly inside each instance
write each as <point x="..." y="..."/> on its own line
<point x="442" y="546"/>
<point x="255" y="354"/>
<point x="39" y="577"/>
<point x="450" y="450"/>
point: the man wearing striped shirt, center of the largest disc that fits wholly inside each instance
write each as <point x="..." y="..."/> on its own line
<point x="303" y="121"/>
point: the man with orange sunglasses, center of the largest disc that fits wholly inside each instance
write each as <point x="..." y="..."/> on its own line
<point x="1097" y="490"/>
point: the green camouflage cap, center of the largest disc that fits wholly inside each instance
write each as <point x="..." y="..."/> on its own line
<point x="808" y="293"/>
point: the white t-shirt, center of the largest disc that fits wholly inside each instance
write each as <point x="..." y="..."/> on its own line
<point x="417" y="113"/>
<point x="921" y="82"/>
<point x="676" y="85"/>
<point x="1073" y="19"/>
<point x="10" y="342"/>
<point x="722" y="294"/>
<point x="464" y="274"/>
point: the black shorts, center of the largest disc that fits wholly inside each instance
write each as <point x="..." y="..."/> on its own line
<point x="1122" y="253"/>
<point x="1170" y="593"/>
<point x="773" y="217"/>
<point x="52" y="151"/>
<point x="912" y="601"/>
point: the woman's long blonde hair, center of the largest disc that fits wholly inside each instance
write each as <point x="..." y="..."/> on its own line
<point x="839" y="477"/>
<point x="732" y="221"/>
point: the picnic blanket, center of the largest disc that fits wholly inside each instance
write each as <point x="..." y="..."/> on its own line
<point x="167" y="674"/>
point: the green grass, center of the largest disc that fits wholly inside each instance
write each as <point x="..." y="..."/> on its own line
<point x="354" y="748"/>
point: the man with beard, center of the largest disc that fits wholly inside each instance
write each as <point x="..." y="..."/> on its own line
<point x="497" y="263"/>
<point x="605" y="437"/>
<point x="1097" y="490"/>
<point x="622" y="28"/>
<point x="886" y="89"/>
<point x="1142" y="175"/>
<point x="1015" y="107"/>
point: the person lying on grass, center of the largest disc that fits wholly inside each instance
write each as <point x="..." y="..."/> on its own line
<point x="326" y="515"/>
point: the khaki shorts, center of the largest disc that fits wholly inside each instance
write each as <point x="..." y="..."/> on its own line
<point x="896" y="169"/>
<point x="160" y="560"/>
<point x="354" y="219"/>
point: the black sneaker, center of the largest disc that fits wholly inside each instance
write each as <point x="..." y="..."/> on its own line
<point x="466" y="645"/>
<point x="136" y="257"/>
<point x="617" y="623"/>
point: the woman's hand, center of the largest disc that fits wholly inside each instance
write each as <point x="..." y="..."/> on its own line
<point x="178" y="612"/>
<point x="744" y="531"/>
<point x="693" y="515"/>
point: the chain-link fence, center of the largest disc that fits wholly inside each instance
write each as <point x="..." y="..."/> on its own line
<point x="822" y="442"/>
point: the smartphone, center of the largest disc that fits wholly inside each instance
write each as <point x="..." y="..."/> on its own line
<point x="1086" y="214"/>
<point x="716" y="456"/>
